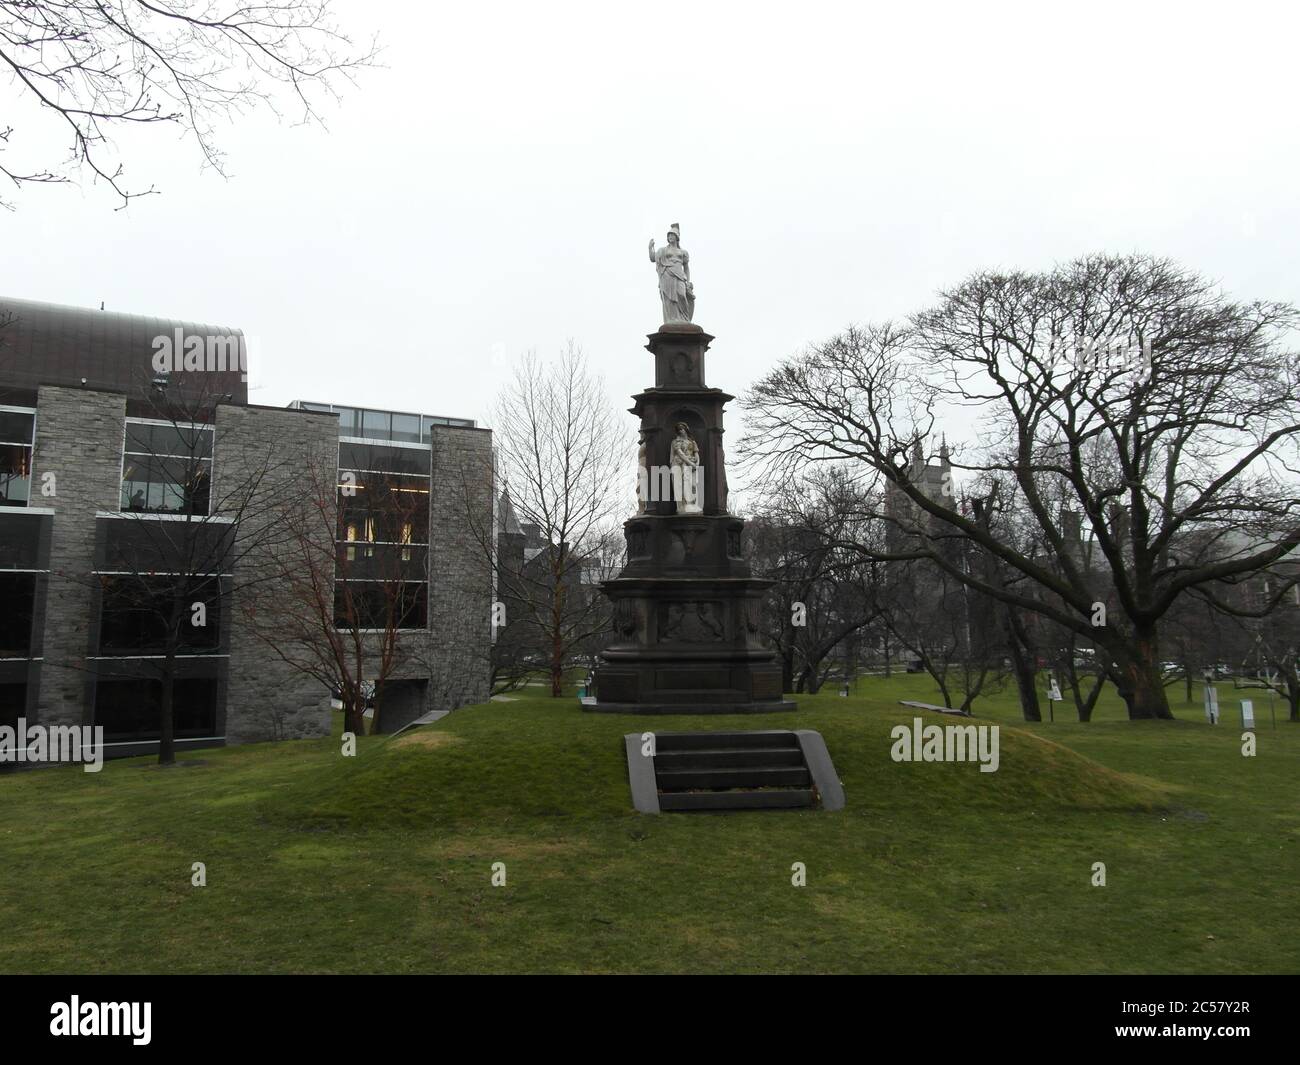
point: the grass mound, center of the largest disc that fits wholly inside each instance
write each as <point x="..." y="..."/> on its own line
<point x="543" y="758"/>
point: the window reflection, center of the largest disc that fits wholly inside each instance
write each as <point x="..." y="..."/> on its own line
<point x="17" y="435"/>
<point x="167" y="469"/>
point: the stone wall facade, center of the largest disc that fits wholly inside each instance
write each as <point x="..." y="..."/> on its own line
<point x="78" y="453"/>
<point x="460" y="576"/>
<point x="265" y="459"/>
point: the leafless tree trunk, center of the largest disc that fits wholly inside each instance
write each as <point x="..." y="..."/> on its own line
<point x="562" y="460"/>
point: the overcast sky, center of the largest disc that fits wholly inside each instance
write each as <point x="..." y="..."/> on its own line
<point x="492" y="188"/>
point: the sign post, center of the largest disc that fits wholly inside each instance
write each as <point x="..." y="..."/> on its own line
<point x="1053" y="697"/>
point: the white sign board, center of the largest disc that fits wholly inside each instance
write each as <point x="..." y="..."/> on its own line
<point x="1054" y="693"/>
<point x="1247" y="714"/>
<point x="1211" y="704"/>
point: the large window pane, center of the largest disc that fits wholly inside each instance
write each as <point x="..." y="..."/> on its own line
<point x="379" y="457"/>
<point x="349" y="421"/>
<point x="18" y="596"/>
<point x="376" y="425"/>
<point x="13" y="703"/>
<point x="20" y="538"/>
<point x="136" y="612"/>
<point x="180" y="441"/>
<point x="131" y="709"/>
<point x="167" y="546"/>
<point x="153" y="484"/>
<point x="15" y="475"/>
<point x="16" y="428"/>
<point x="382" y="562"/>
<point x="376" y="605"/>
<point x="406" y="427"/>
<point x="385" y="508"/>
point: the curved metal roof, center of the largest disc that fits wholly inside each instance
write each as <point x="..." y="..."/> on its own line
<point x="48" y="343"/>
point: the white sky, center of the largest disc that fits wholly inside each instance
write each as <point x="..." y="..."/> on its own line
<point x="492" y="189"/>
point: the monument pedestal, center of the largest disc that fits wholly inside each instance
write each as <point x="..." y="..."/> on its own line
<point x="687" y="609"/>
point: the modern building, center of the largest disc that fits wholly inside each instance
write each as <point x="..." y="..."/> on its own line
<point x="415" y="527"/>
<point x="127" y="443"/>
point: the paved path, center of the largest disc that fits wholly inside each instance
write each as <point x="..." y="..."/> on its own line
<point x="931" y="706"/>
<point x="427" y="719"/>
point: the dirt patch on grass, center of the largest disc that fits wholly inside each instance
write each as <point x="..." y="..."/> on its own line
<point x="427" y="738"/>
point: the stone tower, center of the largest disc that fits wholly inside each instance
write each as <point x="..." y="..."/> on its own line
<point x="686" y="611"/>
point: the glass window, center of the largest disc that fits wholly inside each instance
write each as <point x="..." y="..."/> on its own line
<point x="13" y="703"/>
<point x="406" y="427"/>
<point x="378" y="457"/>
<point x="18" y="594"/>
<point x="20" y="538"/>
<point x="349" y="421"/>
<point x="377" y="425"/>
<point x="386" y="508"/>
<point x="380" y="605"/>
<point x="167" y="468"/>
<point x="176" y="440"/>
<point x="131" y="709"/>
<point x="15" y="475"/>
<point x="166" y="485"/>
<point x="16" y="427"/>
<point x="136" y="611"/>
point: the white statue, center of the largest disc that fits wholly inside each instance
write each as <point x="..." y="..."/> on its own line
<point x="688" y="480"/>
<point x="676" y="292"/>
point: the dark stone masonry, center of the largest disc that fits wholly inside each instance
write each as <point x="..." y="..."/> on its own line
<point x="686" y="606"/>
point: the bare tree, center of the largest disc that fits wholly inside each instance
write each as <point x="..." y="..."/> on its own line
<point x="169" y="565"/>
<point x="807" y="539"/>
<point x="1158" y="406"/>
<point x="96" y="66"/>
<point x="564" y="461"/>
<point x="340" y="607"/>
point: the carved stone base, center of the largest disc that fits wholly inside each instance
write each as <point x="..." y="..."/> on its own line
<point x="688" y="644"/>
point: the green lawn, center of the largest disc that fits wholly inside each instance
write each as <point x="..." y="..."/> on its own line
<point x="382" y="863"/>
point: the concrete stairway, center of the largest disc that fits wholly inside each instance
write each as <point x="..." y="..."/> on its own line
<point x="774" y="769"/>
<point x="731" y="771"/>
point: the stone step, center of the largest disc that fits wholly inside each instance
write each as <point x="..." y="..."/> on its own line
<point x="723" y="757"/>
<point x="757" y="776"/>
<point x="715" y="741"/>
<point x="773" y="799"/>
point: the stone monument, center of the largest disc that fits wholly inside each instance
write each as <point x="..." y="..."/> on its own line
<point x="686" y="607"/>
